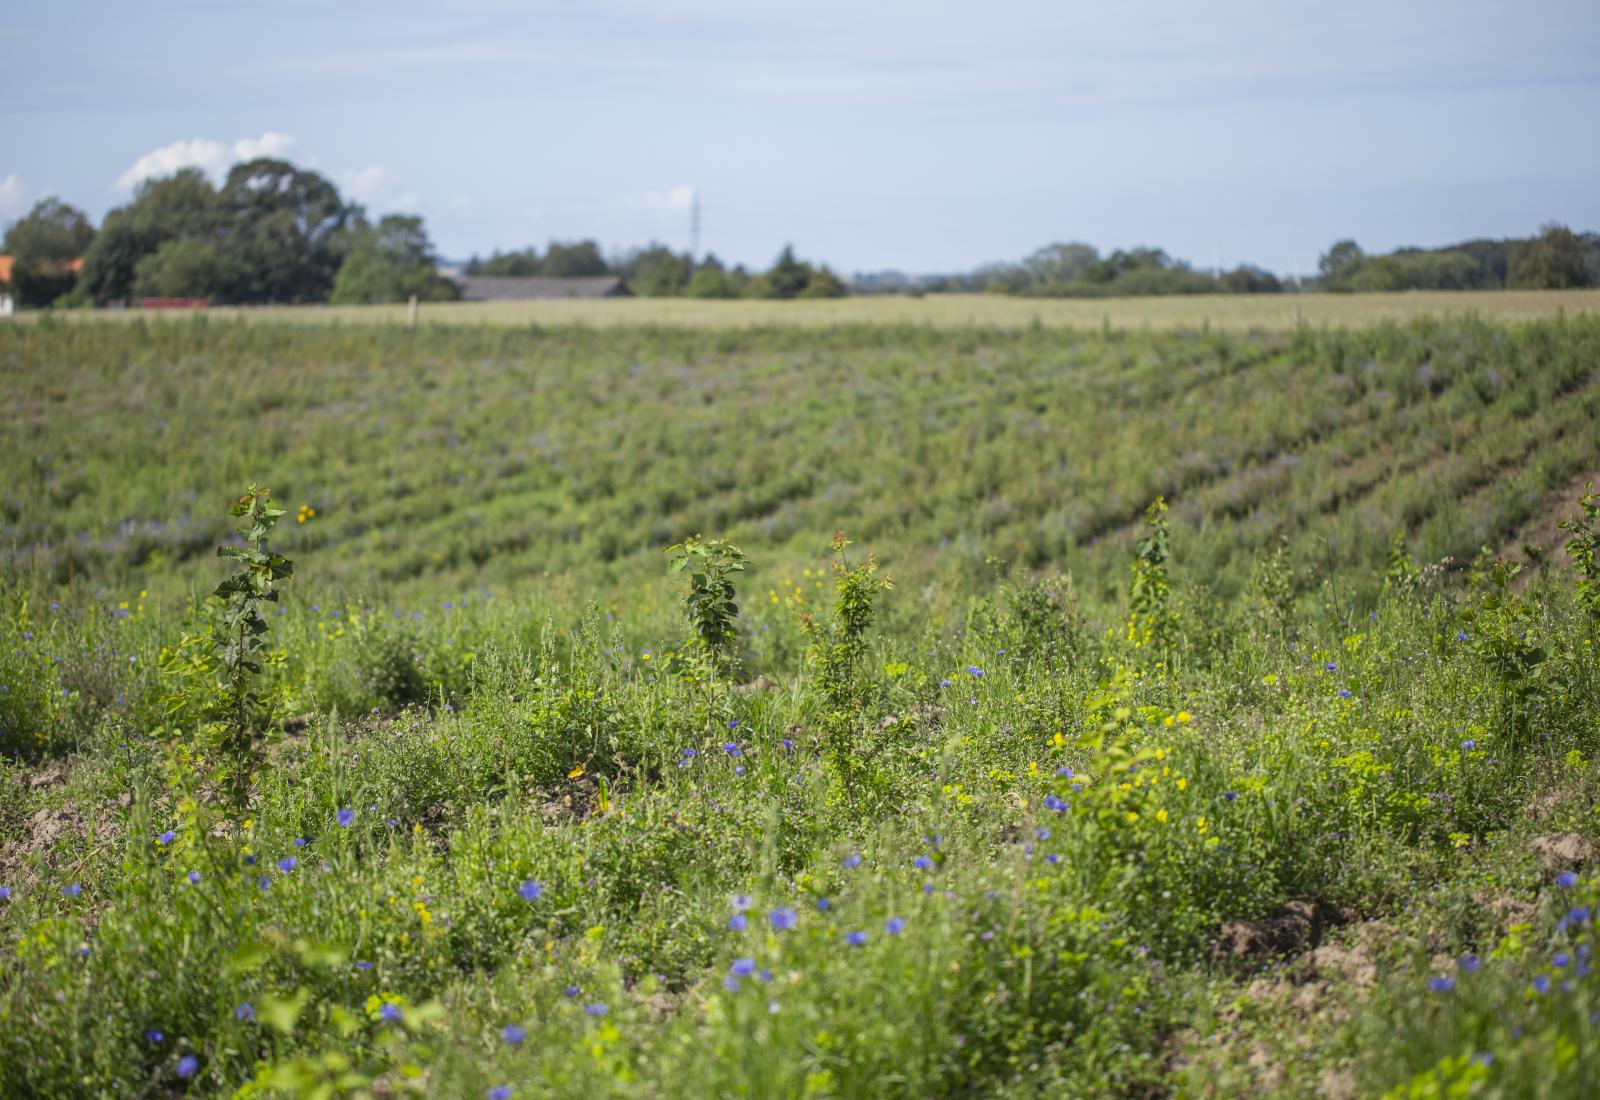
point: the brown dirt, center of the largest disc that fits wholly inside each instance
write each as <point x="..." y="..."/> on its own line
<point x="1542" y="529"/>
<point x="1295" y="928"/>
<point x="1563" y="851"/>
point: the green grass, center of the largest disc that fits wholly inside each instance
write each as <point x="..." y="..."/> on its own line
<point x="1235" y="312"/>
<point x="1040" y="823"/>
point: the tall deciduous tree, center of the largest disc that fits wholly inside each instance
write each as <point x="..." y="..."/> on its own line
<point x="389" y="262"/>
<point x="1554" y="260"/>
<point x="42" y="245"/>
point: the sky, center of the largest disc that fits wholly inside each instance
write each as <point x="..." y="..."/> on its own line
<point x="872" y="134"/>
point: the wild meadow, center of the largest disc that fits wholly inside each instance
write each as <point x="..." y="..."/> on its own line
<point x="854" y="711"/>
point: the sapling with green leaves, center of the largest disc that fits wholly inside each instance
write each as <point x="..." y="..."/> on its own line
<point x="1583" y="547"/>
<point x="837" y="649"/>
<point x="222" y="703"/>
<point x="709" y="656"/>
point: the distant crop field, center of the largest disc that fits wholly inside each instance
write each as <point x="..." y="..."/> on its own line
<point x="1232" y="312"/>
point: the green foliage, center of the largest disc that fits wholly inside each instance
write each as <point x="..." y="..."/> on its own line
<point x="42" y="245"/>
<point x="1151" y="621"/>
<point x="222" y="702"/>
<point x="389" y="262"/>
<point x="183" y="207"/>
<point x="1583" y="547"/>
<point x="837" y="651"/>
<point x="1554" y="260"/>
<point x="709" y="606"/>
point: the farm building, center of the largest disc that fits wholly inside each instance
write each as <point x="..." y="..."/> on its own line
<point x="511" y="288"/>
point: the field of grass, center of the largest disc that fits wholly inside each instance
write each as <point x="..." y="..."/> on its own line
<point x="1235" y="312"/>
<point x="1287" y="790"/>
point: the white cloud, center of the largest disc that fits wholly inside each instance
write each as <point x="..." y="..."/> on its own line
<point x="212" y="157"/>
<point x="13" y="195"/>
<point x="377" y="188"/>
<point x="675" y="201"/>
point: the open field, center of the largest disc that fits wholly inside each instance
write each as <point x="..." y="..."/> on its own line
<point x="1287" y="790"/>
<point x="1236" y="312"/>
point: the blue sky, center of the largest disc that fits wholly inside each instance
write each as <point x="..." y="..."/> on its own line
<point x="926" y="136"/>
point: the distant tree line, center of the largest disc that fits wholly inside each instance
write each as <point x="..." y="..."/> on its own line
<point x="658" y="272"/>
<point x="1557" y="258"/>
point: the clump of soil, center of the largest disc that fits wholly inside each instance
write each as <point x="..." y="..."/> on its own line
<point x="1295" y="928"/>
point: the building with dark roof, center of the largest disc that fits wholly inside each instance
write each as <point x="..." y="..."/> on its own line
<point x="517" y="288"/>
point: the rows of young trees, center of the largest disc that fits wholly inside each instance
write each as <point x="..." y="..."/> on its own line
<point x="658" y="272"/>
<point x="271" y="233"/>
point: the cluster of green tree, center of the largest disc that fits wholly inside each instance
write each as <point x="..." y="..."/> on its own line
<point x="1078" y="270"/>
<point x="1556" y="259"/>
<point x="658" y="272"/>
<point x="271" y="233"/>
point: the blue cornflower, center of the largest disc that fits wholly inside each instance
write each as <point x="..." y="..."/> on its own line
<point x="1541" y="984"/>
<point x="1064" y="772"/>
<point x="1441" y="985"/>
<point x="1567" y="879"/>
<point x="894" y="925"/>
<point x="1577" y="915"/>
<point x="500" y="1092"/>
<point x="571" y="991"/>
<point x="738" y="922"/>
<point x="194" y="878"/>
<point x="731" y="984"/>
<point x="922" y="863"/>
<point x="596" y="1009"/>
<point x="742" y="968"/>
<point x="851" y="862"/>
<point x="244" y="1011"/>
<point x="783" y="919"/>
<point x="974" y="670"/>
<point x="5" y="892"/>
<point x="1561" y="960"/>
<point x="512" y="1035"/>
<point x="363" y="964"/>
<point x="738" y="769"/>
<point x="823" y="905"/>
<point x="300" y="842"/>
<point x="742" y="902"/>
<point x="786" y="743"/>
<point x="1331" y="667"/>
<point x="531" y="890"/>
<point x="1042" y="832"/>
<point x="167" y="837"/>
<point x="732" y="748"/>
<point x="945" y="683"/>
<point x="1469" y="963"/>
<point x="763" y="975"/>
<point x="1469" y="744"/>
<point x="733" y="723"/>
<point x="1231" y="796"/>
<point x="287" y="864"/>
<point x="188" y="1066"/>
<point x="855" y="939"/>
<point x="689" y="754"/>
<point x="1344" y="693"/>
<point x="390" y="1011"/>
<point x="346" y="818"/>
<point x="264" y="882"/>
<point x="1052" y="858"/>
<point x="1461" y="635"/>
<point x="249" y="861"/>
<point x="155" y="1035"/>
<point x="72" y="891"/>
